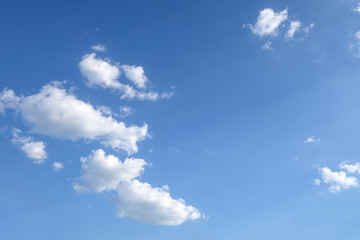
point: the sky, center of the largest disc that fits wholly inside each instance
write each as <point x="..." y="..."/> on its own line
<point x="179" y="119"/>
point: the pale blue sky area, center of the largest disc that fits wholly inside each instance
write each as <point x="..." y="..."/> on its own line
<point x="179" y="120"/>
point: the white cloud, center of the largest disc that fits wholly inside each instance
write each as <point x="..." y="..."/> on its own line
<point x="8" y="99"/>
<point x="357" y="8"/>
<point x="268" y="22"/>
<point x="267" y="46"/>
<point x="307" y="29"/>
<point x="100" y="72"/>
<point x="126" y="111"/>
<point x="355" y="47"/>
<point x="99" y="47"/>
<point x="58" y="113"/>
<point x="351" y="168"/>
<point x="294" y="27"/>
<point x="102" y="172"/>
<point x="33" y="149"/>
<point x="136" y="75"/>
<point x="336" y="180"/>
<point x="151" y="205"/>
<point x="134" y="199"/>
<point x="57" y="166"/>
<point x="312" y="140"/>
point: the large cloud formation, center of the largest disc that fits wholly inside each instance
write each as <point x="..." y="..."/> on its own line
<point x="134" y="199"/>
<point x="56" y="112"/>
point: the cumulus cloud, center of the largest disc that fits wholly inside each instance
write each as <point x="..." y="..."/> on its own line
<point x="101" y="72"/>
<point x="268" y="22"/>
<point x="102" y="172"/>
<point x="336" y="180"/>
<point x="56" y="112"/>
<point x="99" y="47"/>
<point x="312" y="140"/>
<point x="134" y="199"/>
<point x="294" y="27"/>
<point x="351" y="168"/>
<point x="267" y="46"/>
<point x="136" y="75"/>
<point x="57" y="166"/>
<point x="152" y="205"/>
<point x="33" y="149"/>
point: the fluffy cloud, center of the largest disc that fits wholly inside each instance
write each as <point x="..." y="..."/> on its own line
<point x="336" y="180"/>
<point x="148" y="204"/>
<point x="102" y="172"/>
<point x="294" y="27"/>
<point x="56" y="112"/>
<point x="351" y="168"/>
<point x="100" y="72"/>
<point x="33" y="149"/>
<point x="8" y="99"/>
<point x="99" y="47"/>
<point x="57" y="166"/>
<point x="312" y="140"/>
<point x="136" y="75"/>
<point x="134" y="199"/>
<point x="268" y="22"/>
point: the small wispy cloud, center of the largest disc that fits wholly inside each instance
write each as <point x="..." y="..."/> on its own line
<point x="355" y="46"/>
<point x="57" y="166"/>
<point x="312" y="140"/>
<point x="267" y="46"/>
<point x="357" y="8"/>
<point x="125" y="111"/>
<point x="294" y="27"/>
<point x="99" y="47"/>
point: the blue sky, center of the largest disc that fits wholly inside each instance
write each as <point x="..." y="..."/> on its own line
<point x="179" y="119"/>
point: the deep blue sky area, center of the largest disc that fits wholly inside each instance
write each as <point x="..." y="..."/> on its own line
<point x="255" y="122"/>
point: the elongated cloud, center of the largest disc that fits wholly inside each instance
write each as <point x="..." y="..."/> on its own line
<point x="312" y="140"/>
<point x="134" y="199"/>
<point x="56" y="112"/>
<point x="148" y="204"/>
<point x="33" y="149"/>
<point x="351" y="168"/>
<point x="268" y="22"/>
<point x="99" y="47"/>
<point x="336" y="180"/>
<point x="102" y="73"/>
<point x="294" y="27"/>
